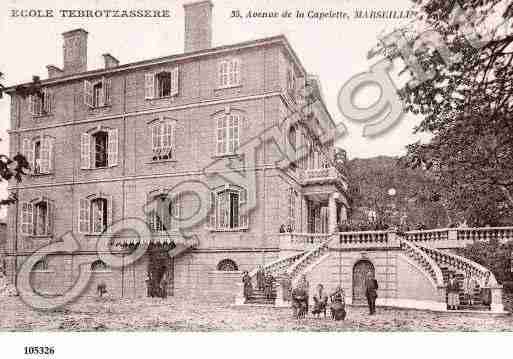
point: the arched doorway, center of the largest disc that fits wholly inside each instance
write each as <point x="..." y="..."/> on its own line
<point x="360" y="272"/>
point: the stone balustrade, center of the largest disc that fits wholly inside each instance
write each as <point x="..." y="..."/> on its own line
<point x="428" y="264"/>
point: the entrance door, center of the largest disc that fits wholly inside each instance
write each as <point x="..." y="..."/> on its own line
<point x="361" y="271"/>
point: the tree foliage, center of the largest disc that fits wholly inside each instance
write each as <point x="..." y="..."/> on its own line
<point x="466" y="103"/>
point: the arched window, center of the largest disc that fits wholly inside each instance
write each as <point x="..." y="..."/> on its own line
<point x="227" y="265"/>
<point x="41" y="266"/>
<point x="98" y="266"/>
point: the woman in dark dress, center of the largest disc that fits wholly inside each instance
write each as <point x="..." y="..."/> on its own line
<point x="338" y="304"/>
<point x="268" y="286"/>
<point x="248" y="287"/>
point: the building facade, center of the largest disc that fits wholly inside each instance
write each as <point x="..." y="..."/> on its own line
<point x="159" y="140"/>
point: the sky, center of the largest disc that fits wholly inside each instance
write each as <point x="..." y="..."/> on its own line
<point x="334" y="50"/>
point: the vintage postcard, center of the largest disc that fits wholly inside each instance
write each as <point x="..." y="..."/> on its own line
<point x="255" y="166"/>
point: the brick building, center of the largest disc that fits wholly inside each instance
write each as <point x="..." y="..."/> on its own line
<point x="126" y="141"/>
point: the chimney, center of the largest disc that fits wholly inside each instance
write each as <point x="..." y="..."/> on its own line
<point x="75" y="51"/>
<point x="54" y="71"/>
<point x="110" y="61"/>
<point x="198" y="25"/>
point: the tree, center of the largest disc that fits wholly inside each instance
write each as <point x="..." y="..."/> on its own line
<point x="15" y="168"/>
<point x="467" y="102"/>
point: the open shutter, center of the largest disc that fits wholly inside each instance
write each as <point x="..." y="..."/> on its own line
<point x="175" y="81"/>
<point x="45" y="155"/>
<point x="110" y="211"/>
<point x="26" y="218"/>
<point x="235" y="72"/>
<point x="212" y="210"/>
<point x="106" y="91"/>
<point x="85" y="151"/>
<point x="84" y="216"/>
<point x="112" y="148"/>
<point x="88" y="93"/>
<point x="28" y="152"/>
<point x="243" y="215"/>
<point x="31" y="103"/>
<point x="49" y="217"/>
<point x="48" y="101"/>
<point x="149" y="85"/>
<point x="51" y="154"/>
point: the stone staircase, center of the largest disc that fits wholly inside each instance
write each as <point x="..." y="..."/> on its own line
<point x="477" y="297"/>
<point x="258" y="297"/>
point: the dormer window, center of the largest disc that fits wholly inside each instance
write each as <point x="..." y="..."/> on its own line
<point x="97" y="93"/>
<point x="162" y="84"/>
<point x="40" y="103"/>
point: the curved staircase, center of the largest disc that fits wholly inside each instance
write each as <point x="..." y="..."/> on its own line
<point x="436" y="265"/>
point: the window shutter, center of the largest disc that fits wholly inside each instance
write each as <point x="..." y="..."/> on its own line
<point x="28" y="152"/>
<point x="234" y="77"/>
<point x="49" y="217"/>
<point x="106" y="91"/>
<point x="45" y="155"/>
<point x="167" y="139"/>
<point x="51" y="154"/>
<point x="84" y="216"/>
<point x="243" y="215"/>
<point x="88" y="93"/>
<point x="155" y="138"/>
<point x="31" y="101"/>
<point x="149" y="85"/>
<point x="175" y="81"/>
<point x="26" y="218"/>
<point x="223" y="73"/>
<point x="85" y="151"/>
<point x="48" y="102"/>
<point x="110" y="211"/>
<point x="112" y="148"/>
<point x="212" y="212"/>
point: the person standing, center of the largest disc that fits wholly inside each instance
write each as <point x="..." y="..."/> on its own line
<point x="453" y="290"/>
<point x="320" y="302"/>
<point x="303" y="284"/>
<point x="469" y="287"/>
<point x="338" y="304"/>
<point x="371" y="293"/>
<point x="260" y="278"/>
<point x="248" y="287"/>
<point x="268" y="286"/>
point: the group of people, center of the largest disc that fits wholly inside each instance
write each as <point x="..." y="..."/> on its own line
<point x="469" y="285"/>
<point x="264" y="282"/>
<point x="299" y="296"/>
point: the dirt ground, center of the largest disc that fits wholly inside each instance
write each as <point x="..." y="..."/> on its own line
<point x="196" y="315"/>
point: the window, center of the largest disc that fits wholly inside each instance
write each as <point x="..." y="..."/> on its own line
<point x="293" y="202"/>
<point x="162" y="140"/>
<point x="164" y="212"/>
<point x="36" y="217"/>
<point x="41" y="266"/>
<point x="228" y="134"/>
<point x="41" y="103"/>
<point x="97" y="94"/>
<point x="227" y="265"/>
<point x="162" y="84"/>
<point x="94" y="214"/>
<point x="99" y="266"/>
<point x="227" y="209"/>
<point x="39" y="154"/>
<point x="291" y="80"/>
<point x="99" y="149"/>
<point x="229" y="73"/>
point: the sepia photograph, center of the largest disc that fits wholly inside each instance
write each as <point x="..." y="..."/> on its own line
<point x="222" y="166"/>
